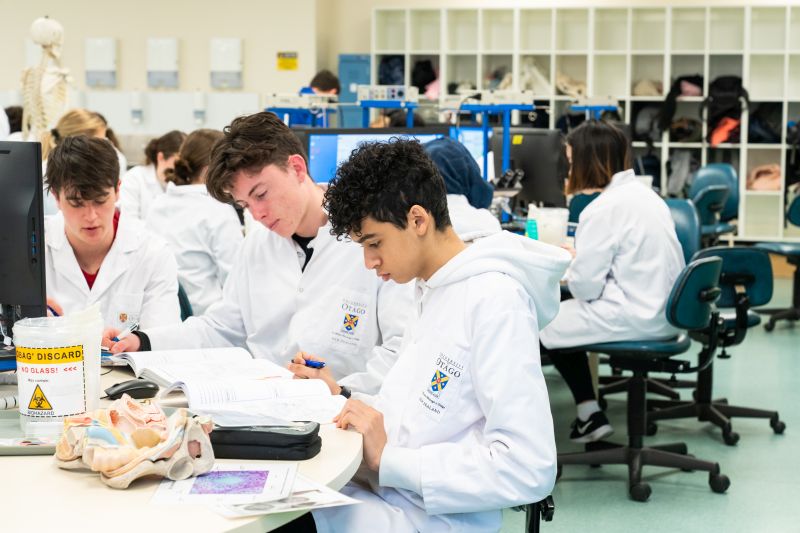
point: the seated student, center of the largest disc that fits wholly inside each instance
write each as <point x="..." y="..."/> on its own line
<point x="325" y="82"/>
<point x="112" y="138"/>
<point x="204" y="233"/>
<point x="14" y="113"/>
<point x="461" y="427"/>
<point x="293" y="286"/>
<point x="468" y="194"/>
<point x="94" y="254"/>
<point x="142" y="184"/>
<point x="627" y="257"/>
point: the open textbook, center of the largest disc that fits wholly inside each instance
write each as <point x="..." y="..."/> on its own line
<point x="234" y="388"/>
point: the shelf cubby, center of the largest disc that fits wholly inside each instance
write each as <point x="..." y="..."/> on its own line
<point x="647" y="67"/>
<point x="766" y="77"/>
<point x="390" y="29"/>
<point x="572" y="29"/>
<point x="727" y="28"/>
<point x="688" y="29"/>
<point x="539" y="84"/>
<point x="762" y="214"/>
<point x="610" y="75"/>
<point x="498" y="29"/>
<point x="611" y="29"/>
<point x="462" y="30"/>
<point x="495" y="68"/>
<point x="648" y="29"/>
<point x="536" y="29"/>
<point x="426" y="30"/>
<point x="462" y="69"/>
<point x="724" y="65"/>
<point x="767" y="28"/>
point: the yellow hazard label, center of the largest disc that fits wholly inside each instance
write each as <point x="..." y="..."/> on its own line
<point x="39" y="401"/>
<point x="516" y="139"/>
<point x="287" y="60"/>
<point x="50" y="356"/>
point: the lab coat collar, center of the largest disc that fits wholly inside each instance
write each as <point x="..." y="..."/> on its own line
<point x="185" y="190"/>
<point x="622" y="178"/>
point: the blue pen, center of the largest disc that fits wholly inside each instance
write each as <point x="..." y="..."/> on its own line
<point x="312" y="364"/>
<point x="55" y="313"/>
<point x="125" y="332"/>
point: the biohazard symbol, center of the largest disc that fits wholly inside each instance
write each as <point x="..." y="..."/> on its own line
<point x="39" y="401"/>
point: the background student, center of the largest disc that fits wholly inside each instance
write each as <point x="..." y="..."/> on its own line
<point x="203" y="233"/>
<point x="294" y="287"/>
<point x="627" y="257"/>
<point x="461" y="427"/>
<point x="94" y="254"/>
<point x="142" y="184"/>
<point x="468" y="194"/>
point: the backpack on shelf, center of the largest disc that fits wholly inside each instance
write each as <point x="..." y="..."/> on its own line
<point x="682" y="86"/>
<point x="724" y="101"/>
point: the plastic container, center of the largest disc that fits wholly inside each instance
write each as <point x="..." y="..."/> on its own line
<point x="58" y="369"/>
<point x="547" y="224"/>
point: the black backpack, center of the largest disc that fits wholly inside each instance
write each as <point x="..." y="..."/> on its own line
<point x="723" y="101"/>
<point x="670" y="102"/>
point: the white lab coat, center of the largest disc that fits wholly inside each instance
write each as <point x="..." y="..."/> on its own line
<point x="335" y="308"/>
<point x="5" y="129"/>
<point x="140" y="187"/>
<point x="203" y="233"/>
<point x="458" y="453"/>
<point x="469" y="221"/>
<point x="628" y="258"/>
<point x="136" y="282"/>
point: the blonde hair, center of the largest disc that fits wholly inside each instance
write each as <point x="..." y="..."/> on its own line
<point x="73" y="122"/>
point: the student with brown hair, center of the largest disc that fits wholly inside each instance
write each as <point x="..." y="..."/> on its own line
<point x="294" y="287"/>
<point x="203" y="233"/>
<point x="93" y="254"/>
<point x="627" y="257"/>
<point x="142" y="184"/>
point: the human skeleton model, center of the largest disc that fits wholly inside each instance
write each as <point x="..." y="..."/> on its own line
<point x="44" y="87"/>
<point x="128" y="440"/>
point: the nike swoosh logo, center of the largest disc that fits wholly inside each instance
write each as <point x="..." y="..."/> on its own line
<point x="584" y="427"/>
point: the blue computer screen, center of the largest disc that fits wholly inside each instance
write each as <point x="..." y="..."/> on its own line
<point x="472" y="138"/>
<point x="326" y="151"/>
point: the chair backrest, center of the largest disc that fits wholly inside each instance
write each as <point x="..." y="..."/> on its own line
<point x="687" y="226"/>
<point x="709" y="202"/>
<point x="578" y="203"/>
<point x="719" y="174"/>
<point x="183" y="301"/>
<point x="793" y="213"/>
<point x="747" y="267"/>
<point x="697" y="288"/>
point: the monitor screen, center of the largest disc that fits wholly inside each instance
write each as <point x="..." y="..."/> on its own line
<point x="22" y="268"/>
<point x="329" y="148"/>
<point x="472" y="138"/>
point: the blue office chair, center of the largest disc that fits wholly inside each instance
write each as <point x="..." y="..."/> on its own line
<point x="791" y="251"/>
<point x="709" y="202"/>
<point x="690" y="307"/>
<point x="687" y="228"/>
<point x="745" y="281"/>
<point x="720" y="174"/>
<point x="183" y="301"/>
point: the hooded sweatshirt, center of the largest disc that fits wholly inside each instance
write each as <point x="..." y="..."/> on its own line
<point x="465" y="407"/>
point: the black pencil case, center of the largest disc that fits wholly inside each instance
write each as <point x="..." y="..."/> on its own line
<point x="295" y="442"/>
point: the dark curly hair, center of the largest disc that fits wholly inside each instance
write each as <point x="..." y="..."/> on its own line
<point x="383" y="181"/>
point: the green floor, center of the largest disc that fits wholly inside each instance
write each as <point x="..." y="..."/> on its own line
<point x="764" y="468"/>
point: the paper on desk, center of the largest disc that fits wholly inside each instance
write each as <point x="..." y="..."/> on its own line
<point x="306" y="495"/>
<point x="320" y="409"/>
<point x="231" y="484"/>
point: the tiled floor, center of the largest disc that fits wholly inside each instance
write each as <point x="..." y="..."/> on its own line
<point x="764" y="468"/>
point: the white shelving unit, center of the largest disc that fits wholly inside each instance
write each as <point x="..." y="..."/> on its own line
<point x="612" y="48"/>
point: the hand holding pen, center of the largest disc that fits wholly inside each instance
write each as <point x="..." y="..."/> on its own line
<point x="307" y="366"/>
<point x="125" y="332"/>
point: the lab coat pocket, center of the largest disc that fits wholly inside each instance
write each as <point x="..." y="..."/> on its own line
<point x="125" y="309"/>
<point x="352" y="311"/>
<point x="443" y="383"/>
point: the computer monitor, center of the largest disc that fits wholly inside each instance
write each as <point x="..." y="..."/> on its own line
<point x="22" y="268"/>
<point x="541" y="155"/>
<point x="329" y="148"/>
<point x="472" y="139"/>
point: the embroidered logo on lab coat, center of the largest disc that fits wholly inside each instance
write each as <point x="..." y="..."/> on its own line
<point x="350" y="322"/>
<point x="439" y="381"/>
<point x="123" y="317"/>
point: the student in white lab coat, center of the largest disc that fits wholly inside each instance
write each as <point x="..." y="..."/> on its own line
<point x="142" y="184"/>
<point x="294" y="286"/>
<point x="468" y="194"/>
<point x="93" y="254"/>
<point x="203" y="233"/>
<point x="461" y="427"/>
<point x="627" y="257"/>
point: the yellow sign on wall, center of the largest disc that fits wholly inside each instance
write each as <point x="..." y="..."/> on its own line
<point x="287" y="60"/>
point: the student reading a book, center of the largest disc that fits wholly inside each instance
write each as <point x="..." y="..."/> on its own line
<point x="461" y="427"/>
<point x="94" y="254"/>
<point x="294" y="286"/>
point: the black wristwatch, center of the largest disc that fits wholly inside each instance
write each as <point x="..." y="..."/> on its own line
<point x="345" y="391"/>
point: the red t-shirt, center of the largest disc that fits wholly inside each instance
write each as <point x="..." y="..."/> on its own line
<point x="91" y="277"/>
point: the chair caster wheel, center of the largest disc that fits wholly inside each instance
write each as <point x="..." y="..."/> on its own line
<point x="652" y="429"/>
<point x="730" y="437"/>
<point x="602" y="403"/>
<point x="777" y="426"/>
<point x="640" y="492"/>
<point x="719" y="483"/>
<point x="769" y="326"/>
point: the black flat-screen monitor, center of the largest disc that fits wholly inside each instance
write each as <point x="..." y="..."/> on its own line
<point x="541" y="155"/>
<point x="22" y="268"/>
<point x="328" y="148"/>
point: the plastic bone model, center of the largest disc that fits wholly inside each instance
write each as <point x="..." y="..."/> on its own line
<point x="129" y="440"/>
<point x="44" y="87"/>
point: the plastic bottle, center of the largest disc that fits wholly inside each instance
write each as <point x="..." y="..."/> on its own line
<point x="58" y="368"/>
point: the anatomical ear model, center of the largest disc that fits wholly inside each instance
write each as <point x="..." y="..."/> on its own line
<point x="129" y="440"/>
<point x="44" y="87"/>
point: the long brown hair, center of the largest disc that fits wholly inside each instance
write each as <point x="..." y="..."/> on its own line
<point x="193" y="157"/>
<point x="73" y="122"/>
<point x="168" y="144"/>
<point x="599" y="150"/>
